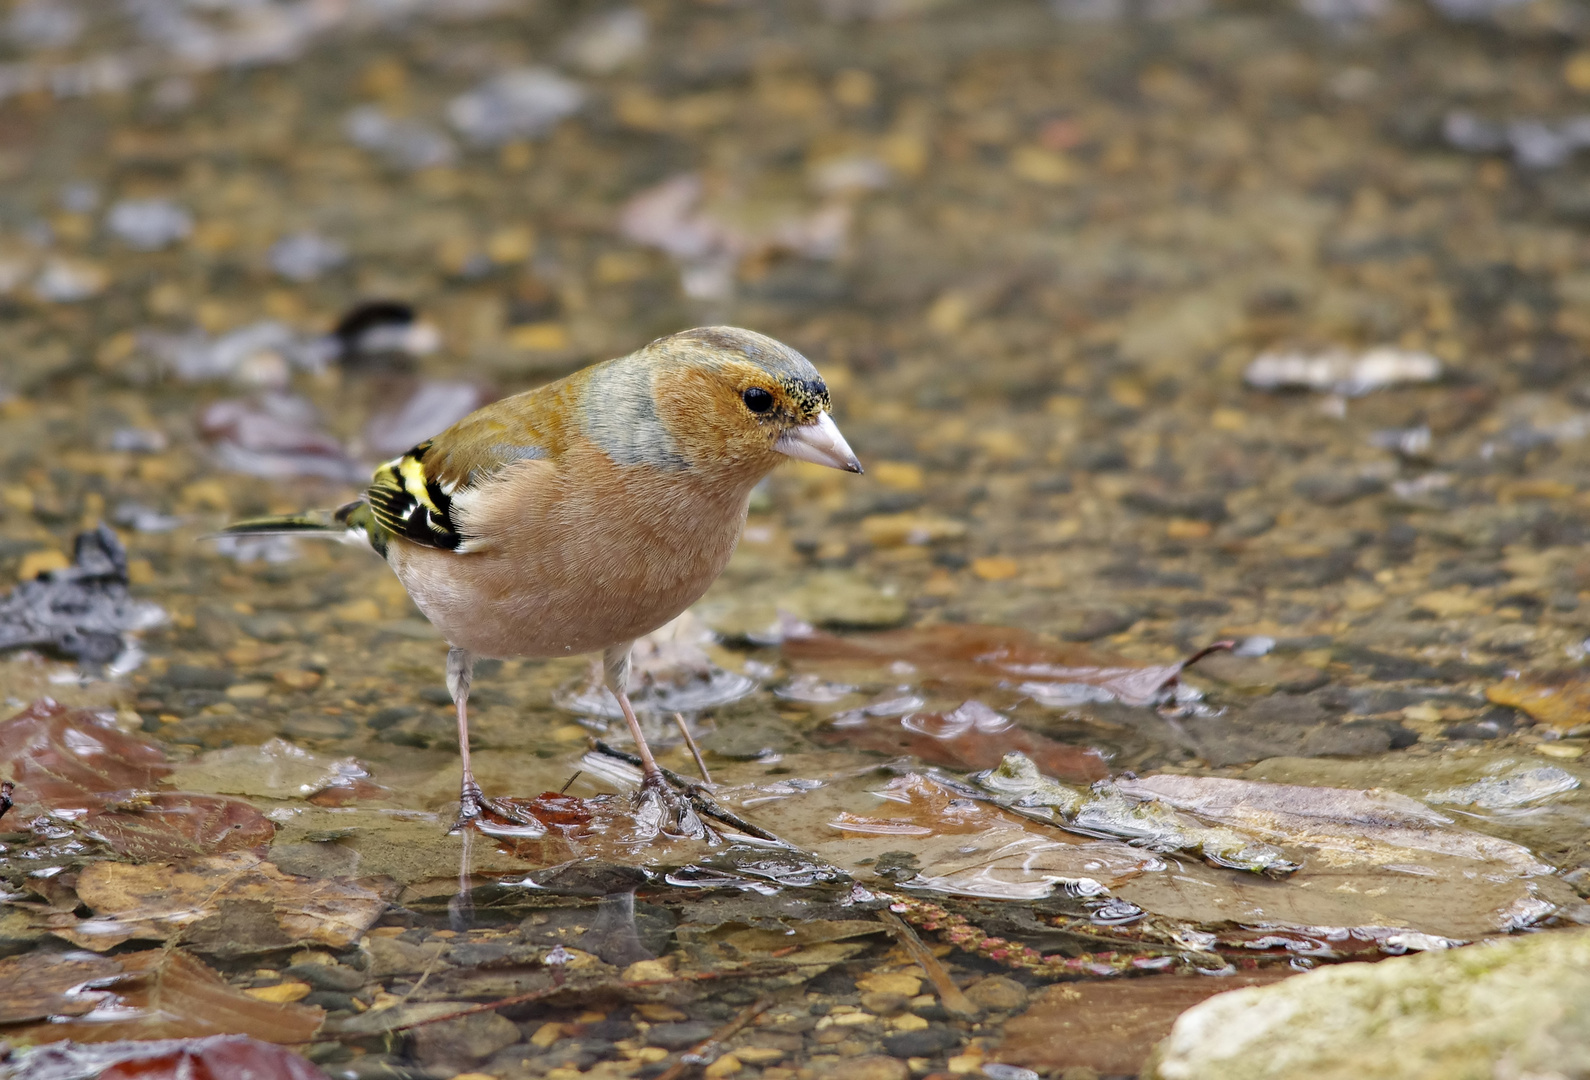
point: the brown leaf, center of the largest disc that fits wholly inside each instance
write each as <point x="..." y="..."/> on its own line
<point x="170" y="825"/>
<point x="164" y="900"/>
<point x="78" y="762"/>
<point x="219" y="1057"/>
<point x="1559" y="701"/>
<point x="58" y="755"/>
<point x="970" y="737"/>
<point x="39" y="985"/>
<point x="1109" y="1027"/>
<point x="167" y="994"/>
<point x="975" y="657"/>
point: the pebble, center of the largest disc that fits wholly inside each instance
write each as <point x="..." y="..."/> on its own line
<point x="464" y="1039"/>
<point x="997" y="993"/>
<point x="871" y="1067"/>
<point x="926" y="1042"/>
<point x="679" y="1035"/>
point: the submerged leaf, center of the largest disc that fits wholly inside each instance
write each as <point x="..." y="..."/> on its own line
<point x="229" y="904"/>
<point x="972" y="736"/>
<point x="1558" y="701"/>
<point x="157" y="994"/>
<point x="1107" y="811"/>
<point x="79" y="766"/>
<point x="220" y="1057"/>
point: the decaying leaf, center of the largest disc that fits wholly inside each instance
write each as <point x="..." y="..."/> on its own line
<point x="157" y="994"/>
<point x="275" y="769"/>
<point x="230" y="904"/>
<point x="973" y="657"/>
<point x="1106" y="810"/>
<point x="39" y="985"/>
<point x="78" y="766"/>
<point x="972" y="736"/>
<point x="219" y="1057"/>
<point x="1559" y="701"/>
<point x="958" y="845"/>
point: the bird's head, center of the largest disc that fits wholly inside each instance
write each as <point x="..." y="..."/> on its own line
<point x="738" y="400"/>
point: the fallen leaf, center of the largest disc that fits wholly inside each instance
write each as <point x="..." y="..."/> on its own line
<point x="972" y="736"/>
<point x="57" y="755"/>
<point x="230" y="904"/>
<point x="275" y="769"/>
<point x="39" y="985"/>
<point x="170" y="825"/>
<point x="976" y="657"/>
<point x="220" y="1057"/>
<point x="1561" y="702"/>
<point x="77" y="765"/>
<point x="156" y="994"/>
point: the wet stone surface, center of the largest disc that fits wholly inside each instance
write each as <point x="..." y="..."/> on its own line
<point x="1156" y="326"/>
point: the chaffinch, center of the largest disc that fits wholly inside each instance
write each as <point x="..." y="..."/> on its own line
<point x="583" y="514"/>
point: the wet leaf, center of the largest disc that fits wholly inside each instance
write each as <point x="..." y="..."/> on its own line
<point x="170" y="825"/>
<point x="1109" y="1027"/>
<point x="78" y="765"/>
<point x="962" y="846"/>
<point x="58" y="755"/>
<point x="275" y="769"/>
<point x="1380" y="863"/>
<point x="220" y="1057"/>
<point x="255" y="904"/>
<point x="972" y="736"/>
<point x="39" y="985"/>
<point x="1561" y="702"/>
<point x="163" y="994"/>
<point x="972" y="657"/>
<point x="1106" y="810"/>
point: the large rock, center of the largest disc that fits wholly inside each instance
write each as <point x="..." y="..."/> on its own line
<point x="1514" y="1007"/>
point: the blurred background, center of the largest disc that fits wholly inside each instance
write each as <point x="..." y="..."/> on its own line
<point x="1153" y="320"/>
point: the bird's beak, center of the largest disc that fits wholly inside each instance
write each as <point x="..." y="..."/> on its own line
<point x="819" y="443"/>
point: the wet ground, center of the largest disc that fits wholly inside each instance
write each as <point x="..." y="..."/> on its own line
<point x="1157" y="324"/>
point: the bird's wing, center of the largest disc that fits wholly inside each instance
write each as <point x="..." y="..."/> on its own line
<point x="418" y="496"/>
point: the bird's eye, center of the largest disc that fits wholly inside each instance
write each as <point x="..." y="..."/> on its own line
<point x="757" y="400"/>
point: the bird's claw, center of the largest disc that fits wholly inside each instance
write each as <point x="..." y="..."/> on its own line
<point x="478" y="812"/>
<point x="660" y="808"/>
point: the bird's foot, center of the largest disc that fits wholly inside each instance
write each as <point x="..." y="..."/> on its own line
<point x="659" y="808"/>
<point x="488" y="815"/>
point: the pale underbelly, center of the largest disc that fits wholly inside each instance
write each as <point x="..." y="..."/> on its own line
<point x="494" y="611"/>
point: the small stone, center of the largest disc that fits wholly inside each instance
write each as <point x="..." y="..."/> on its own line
<point x="760" y="1055"/>
<point x="727" y="1065"/>
<point x="871" y="1067"/>
<point x="996" y="993"/>
<point x="996" y="568"/>
<point x="883" y="1004"/>
<point x="35" y="563"/>
<point x="908" y="1022"/>
<point x="546" y="1035"/>
<point x="281" y="993"/>
<point x="681" y="1035"/>
<point x="327" y="976"/>
<point x="926" y="1042"/>
<point x="891" y="982"/>
<point x="464" y="1039"/>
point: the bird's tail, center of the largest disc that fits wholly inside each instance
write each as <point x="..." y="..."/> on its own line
<point x="350" y="524"/>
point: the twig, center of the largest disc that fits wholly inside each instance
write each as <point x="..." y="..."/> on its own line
<point x="955" y="1002"/>
<point x="707" y="1051"/>
<point x="699" y="798"/>
<point x="570" y="781"/>
<point x="695" y="751"/>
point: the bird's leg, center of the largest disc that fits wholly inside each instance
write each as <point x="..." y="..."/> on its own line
<point x="615" y="672"/>
<point x="656" y="802"/>
<point x="460" y="667"/>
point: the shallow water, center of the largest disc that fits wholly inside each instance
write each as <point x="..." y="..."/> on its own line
<point x="1156" y="325"/>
